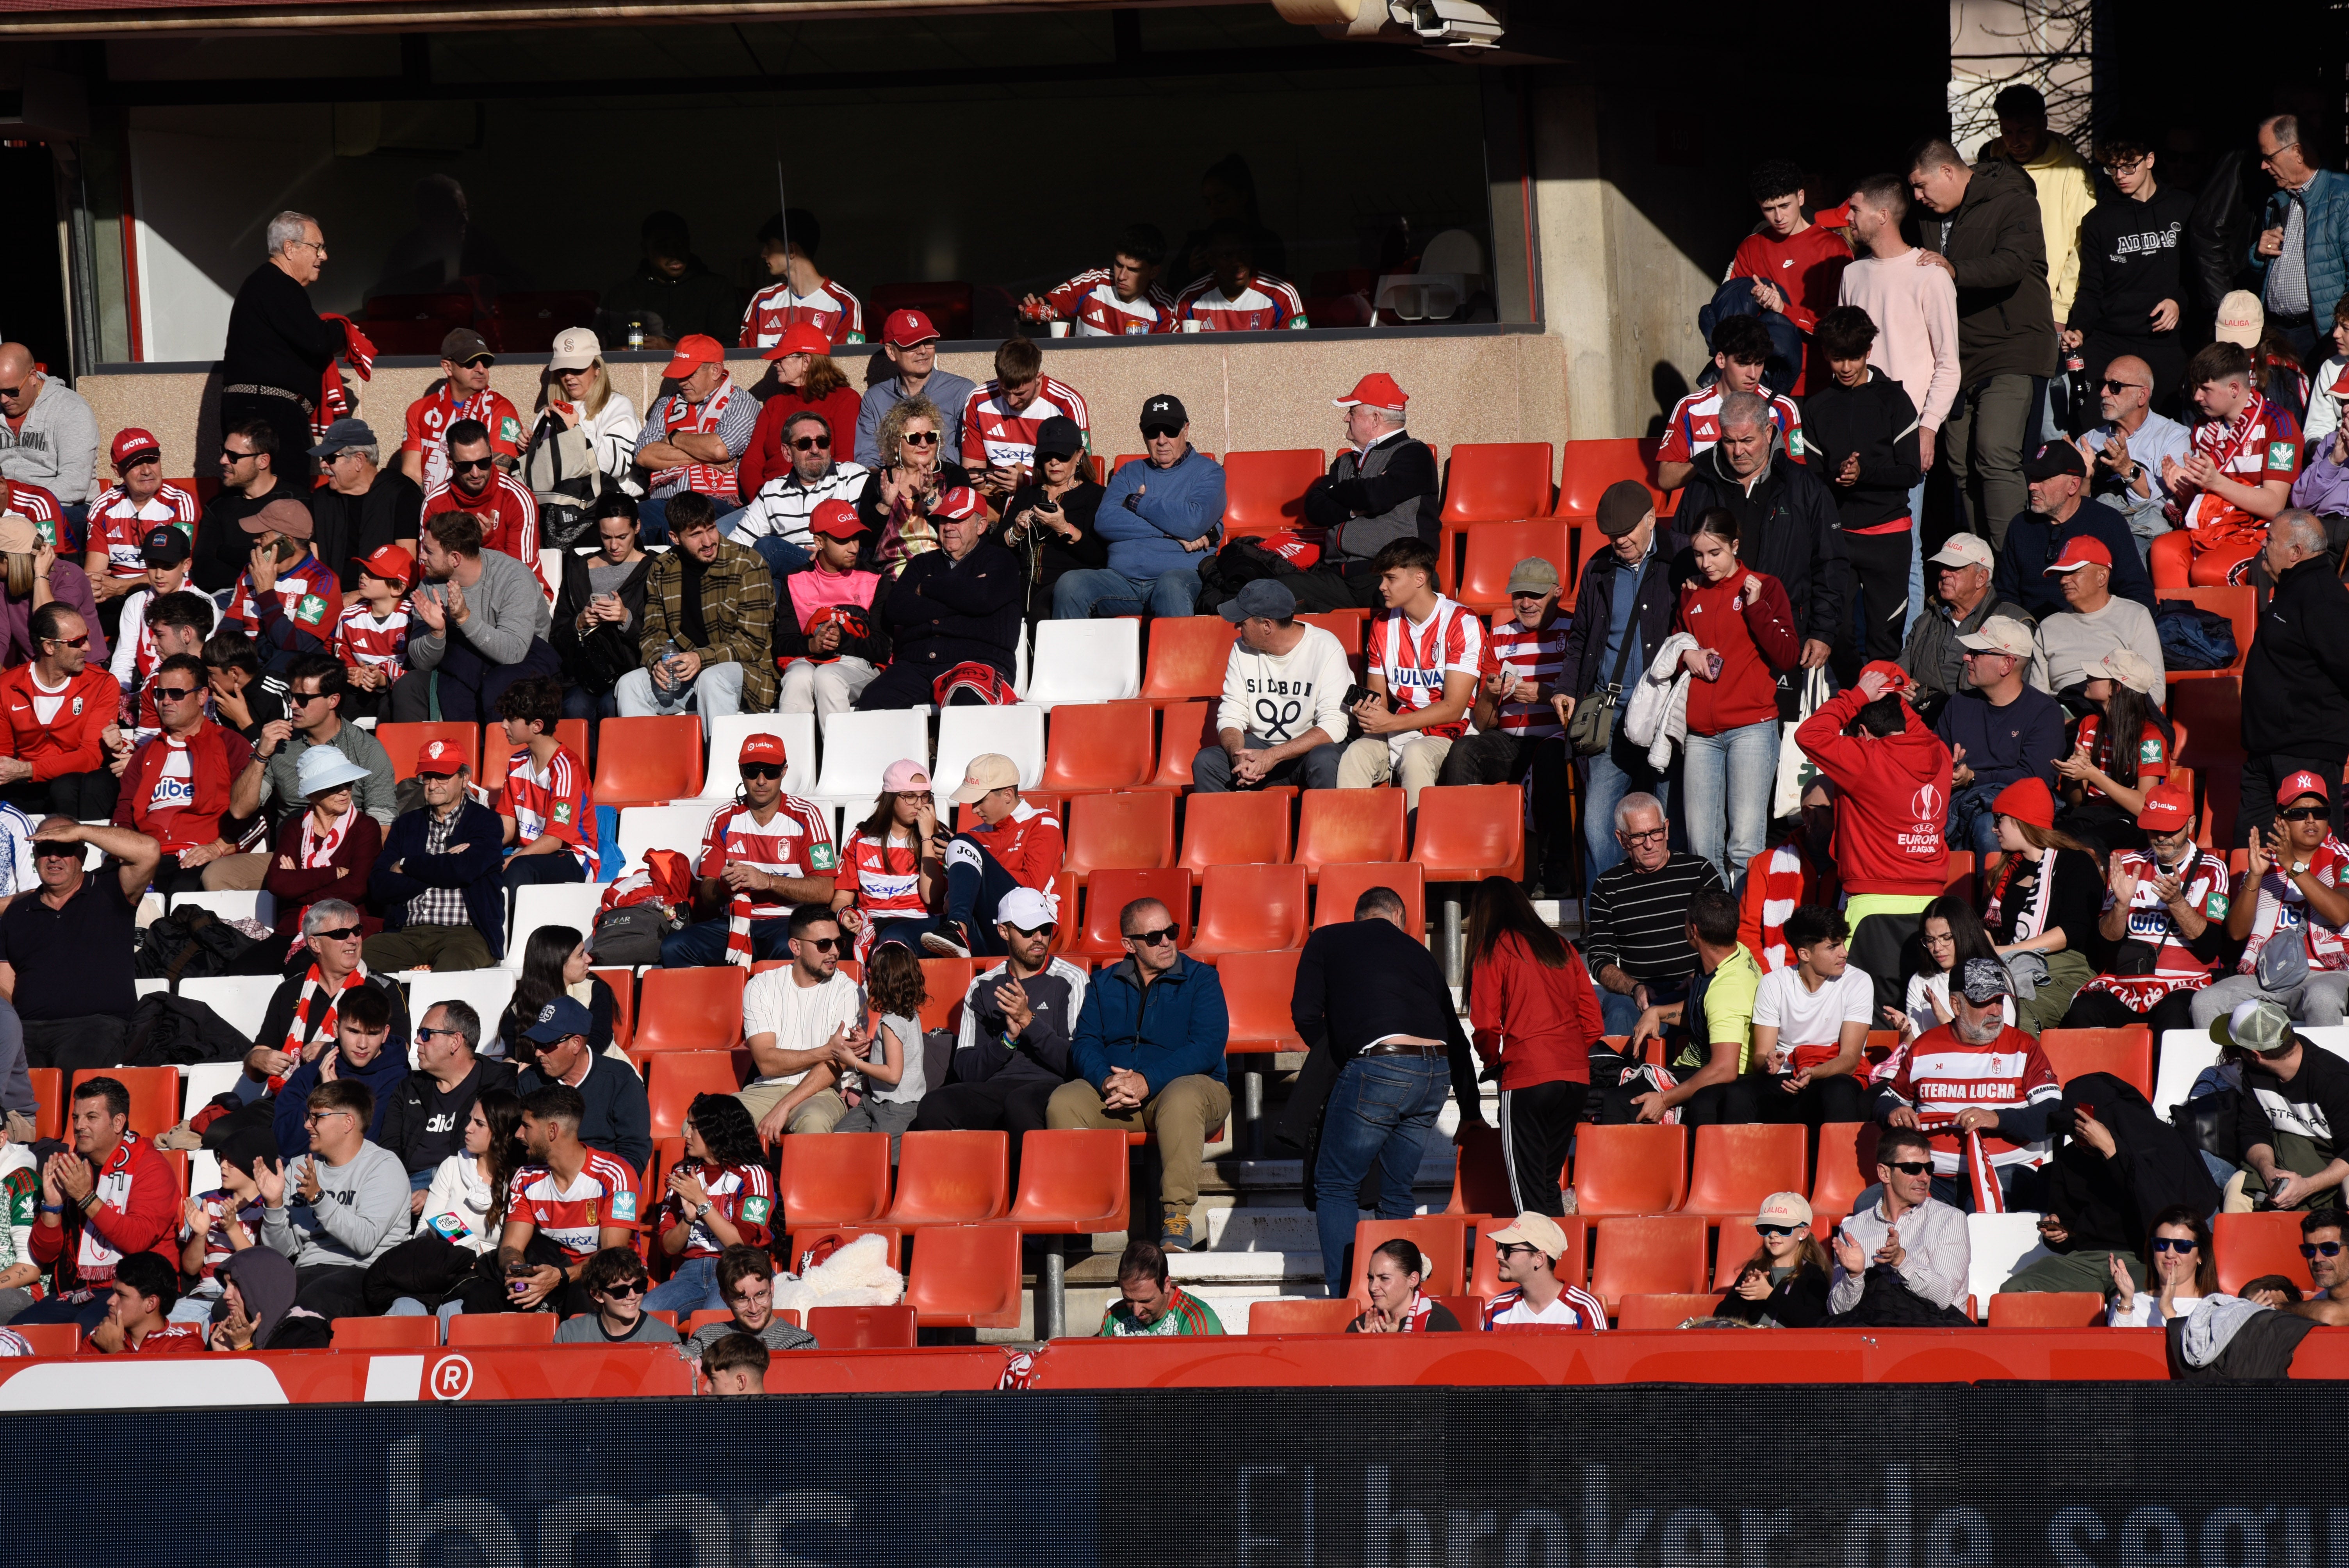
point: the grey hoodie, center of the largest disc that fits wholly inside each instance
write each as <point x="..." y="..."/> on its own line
<point x="503" y="611"/>
<point x="361" y="1213"/>
<point x="57" y="446"/>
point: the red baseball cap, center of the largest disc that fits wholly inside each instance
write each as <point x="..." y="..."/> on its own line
<point x="1378" y="389"/>
<point x="2303" y="783"/>
<point x="908" y="327"/>
<point x="132" y="443"/>
<point x="2167" y="809"/>
<point x="1902" y="680"/>
<point x="2081" y="551"/>
<point x="960" y="502"/>
<point x="762" y="747"/>
<point x="392" y="564"/>
<point x="800" y="339"/>
<point x="835" y="520"/>
<point x="441" y="756"/>
<point x="1832" y="217"/>
<point x="692" y="352"/>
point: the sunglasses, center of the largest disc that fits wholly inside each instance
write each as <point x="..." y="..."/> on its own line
<point x="425" y="1032"/>
<point x="2113" y="386"/>
<point x="2320" y="1248"/>
<point x="228" y="459"/>
<point x="2304" y="814"/>
<point x="1910" y="1167"/>
<point x="50" y="850"/>
<point x="821" y="943"/>
<point x="175" y="694"/>
<point x="472" y="465"/>
<point x="761" y="770"/>
<point x="480" y="362"/>
<point x="1773" y="1229"/>
<point x="2174" y="1244"/>
<point x="920" y="438"/>
<point x="339" y="934"/>
<point x="12" y="392"/>
<point x="635" y="1288"/>
<point x="813" y="444"/>
<point x="1047" y="929"/>
<point x="80" y="642"/>
<point x="1161" y="433"/>
<point x="1151" y="938"/>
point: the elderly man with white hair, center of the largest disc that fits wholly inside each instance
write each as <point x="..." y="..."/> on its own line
<point x="2296" y="676"/>
<point x="1787" y="524"/>
<point x="1637" y="930"/>
<point x="278" y="350"/>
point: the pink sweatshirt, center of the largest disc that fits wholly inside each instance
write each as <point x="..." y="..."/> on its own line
<point x="1915" y="307"/>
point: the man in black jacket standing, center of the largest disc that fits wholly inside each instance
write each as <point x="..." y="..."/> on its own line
<point x="278" y="349"/>
<point x="2296" y="676"/>
<point x="1864" y="427"/>
<point x="1786" y="521"/>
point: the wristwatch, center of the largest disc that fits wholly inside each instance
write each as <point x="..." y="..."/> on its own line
<point x="702" y="1210"/>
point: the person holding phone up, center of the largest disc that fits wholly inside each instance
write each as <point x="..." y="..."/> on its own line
<point x="1744" y="625"/>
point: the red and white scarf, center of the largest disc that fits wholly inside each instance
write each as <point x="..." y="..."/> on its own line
<point x="676" y="413"/>
<point x="334" y="398"/>
<point x="738" y="930"/>
<point x="1415" y="1316"/>
<point x="318" y="851"/>
<point x="1972" y="1158"/>
<point x="313" y="986"/>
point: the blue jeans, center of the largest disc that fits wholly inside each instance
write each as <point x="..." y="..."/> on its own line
<point x="1381" y="1110"/>
<point x="1725" y="785"/>
<point x="1080" y="595"/>
<point x="906" y="933"/>
<point x="696" y="946"/>
<point x="692" y="1288"/>
<point x="1617" y="1012"/>
<point x="1916" y="557"/>
<point x="1607" y="777"/>
<point x="1973" y="825"/>
<point x="88" y="1313"/>
<point x="781" y="556"/>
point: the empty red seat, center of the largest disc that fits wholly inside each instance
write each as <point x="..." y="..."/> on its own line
<point x="672" y="1078"/>
<point x="501" y="1328"/>
<point x="1652" y="1310"/>
<point x="1301" y="1314"/>
<point x="691" y="1009"/>
<point x="1134" y="832"/>
<point x="944" y="982"/>
<point x="387" y="1332"/>
<point x="832" y="1178"/>
<point x="1250" y="909"/>
<point x="966" y="1276"/>
<point x="1342" y="886"/>
<point x="703" y="1317"/>
<point x="154" y="1095"/>
<point x="1238" y="827"/>
<point x="1097" y="745"/>
<point x="1647" y="1254"/>
<point x="1442" y="1243"/>
<point x="1256" y="991"/>
<point x="2250" y="1245"/>
<point x="1631" y="1170"/>
<point x="2126" y="1053"/>
<point x="1341" y="826"/>
<point x="1847" y="1167"/>
<point x="51" y="1338"/>
<point x="1470" y="832"/>
<point x="49" y="1101"/>
<point x="647" y="762"/>
<point x="1109" y="891"/>
<point x="1494" y="550"/>
<point x="1735" y="1245"/>
<point x="1264" y="493"/>
<point x="2046" y="1309"/>
<point x="1073" y="1180"/>
<point x="1188" y="654"/>
<point x="1500" y="481"/>
<point x="1591" y="466"/>
<point x="863" y="1327"/>
<point x="1737" y="1167"/>
<point x="1184" y="729"/>
<point x="951" y="1178"/>
<point x="401" y="742"/>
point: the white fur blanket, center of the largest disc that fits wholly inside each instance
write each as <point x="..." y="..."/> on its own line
<point x="857" y="1274"/>
<point x="1657" y="715"/>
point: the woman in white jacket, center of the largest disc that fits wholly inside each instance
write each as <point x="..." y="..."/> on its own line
<point x="467" y="1200"/>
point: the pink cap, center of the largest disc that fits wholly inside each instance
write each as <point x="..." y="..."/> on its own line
<point x="905" y="776"/>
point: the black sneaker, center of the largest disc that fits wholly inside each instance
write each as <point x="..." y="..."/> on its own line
<point x="1174" y="1232"/>
<point x="949" y="941"/>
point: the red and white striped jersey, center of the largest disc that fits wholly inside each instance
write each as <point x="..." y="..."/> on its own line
<point x="555" y="798"/>
<point x="831" y="310"/>
<point x="2258" y="444"/>
<point x="744" y="1194"/>
<point x="1529" y="654"/>
<point x="992" y="433"/>
<point x="1414" y="659"/>
<point x="1945" y="1074"/>
<point x="2283" y="907"/>
<point x="430" y="416"/>
<point x="362" y="639"/>
<point x="1574" y="1308"/>
<point x="220" y="1211"/>
<point x="604" y="1193"/>
<point x="1695" y="425"/>
<point x="1091" y="300"/>
<point x="796" y="841"/>
<point x="505" y="509"/>
<point x="117" y="524"/>
<point x="40" y="508"/>
<point x="884" y="877"/>
<point x="1264" y="304"/>
<point x="2175" y="966"/>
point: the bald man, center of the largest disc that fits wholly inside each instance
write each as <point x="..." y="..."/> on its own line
<point x="49" y="438"/>
<point x="2296" y="679"/>
<point x="2125" y="452"/>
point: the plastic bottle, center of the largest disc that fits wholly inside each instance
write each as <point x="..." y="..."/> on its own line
<point x="665" y="684"/>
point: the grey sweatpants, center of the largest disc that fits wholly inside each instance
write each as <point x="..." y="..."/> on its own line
<point x="1986" y="439"/>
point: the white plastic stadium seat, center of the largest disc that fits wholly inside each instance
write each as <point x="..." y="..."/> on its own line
<point x="488" y="991"/>
<point x="150" y="987"/>
<point x="859" y="747"/>
<point x="726" y="734"/>
<point x="968" y="732"/>
<point x="849" y="816"/>
<point x="676" y="828"/>
<point x="556" y="903"/>
<point x="1085" y="661"/>
<point x="241" y="1000"/>
<point x="202" y="1081"/>
<point x="259" y="904"/>
<point x="2001" y="1243"/>
<point x="2184" y="1054"/>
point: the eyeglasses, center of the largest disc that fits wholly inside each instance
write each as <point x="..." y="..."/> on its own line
<point x="761" y="770"/>
<point x="1910" y="1167"/>
<point x="316" y="1116"/>
<point x="318" y="246"/>
<point x="472" y="465"/>
<point x="1773" y="1229"/>
<point x="2113" y="386"/>
<point x="920" y="438"/>
<point x="821" y="943"/>
<point x="812" y="443"/>
<point x="634" y="1287"/>
<point x="12" y="392"/>
<point x="1151" y="938"/>
<point x="340" y="934"/>
<point x="2320" y="1248"/>
<point x="2175" y="1244"/>
<point x="1647" y="837"/>
<point x="228" y="459"/>
<point x="80" y="642"/>
<point x="175" y="694"/>
<point x="51" y="849"/>
<point x="2304" y="814"/>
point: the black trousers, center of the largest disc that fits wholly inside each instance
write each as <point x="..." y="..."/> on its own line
<point x="332" y="1291"/>
<point x="85" y="796"/>
<point x="1713" y="1104"/>
<point x="1761" y="1097"/>
<point x="1879" y="565"/>
<point x="1537" y="1126"/>
<point x="73" y="1044"/>
<point x="2102" y="1010"/>
<point x="1496" y="758"/>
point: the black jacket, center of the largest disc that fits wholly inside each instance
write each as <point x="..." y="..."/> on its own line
<point x="2219" y="235"/>
<point x="1798" y="1301"/>
<point x="352" y="527"/>
<point x="1786" y="526"/>
<point x="945" y="612"/>
<point x="619" y="1118"/>
<point x="2006" y="323"/>
<point x="2130" y="255"/>
<point x="276" y="339"/>
<point x="1877" y="421"/>
<point x="478" y="873"/>
<point x="696" y="300"/>
<point x="1669" y="564"/>
<point x="1047" y="555"/>
<point x="2296" y="676"/>
<point x="424" y="1126"/>
<point x="592" y="660"/>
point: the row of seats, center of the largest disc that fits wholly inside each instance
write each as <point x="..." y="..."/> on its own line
<point x="835" y="1328"/>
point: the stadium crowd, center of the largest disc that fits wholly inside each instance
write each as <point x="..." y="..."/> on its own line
<point x="1773" y="725"/>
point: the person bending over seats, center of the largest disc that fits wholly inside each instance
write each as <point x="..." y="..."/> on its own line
<point x="1901" y="1260"/>
<point x="1012" y="844"/>
<point x="1785" y="1284"/>
<point x="746" y="1281"/>
<point x="1397" y="1305"/>
<point x="2119" y="1165"/>
<point x="1528" y="1251"/>
<point x="1981" y="1094"/>
<point x="1149" y="1304"/>
<point x="1705" y="1053"/>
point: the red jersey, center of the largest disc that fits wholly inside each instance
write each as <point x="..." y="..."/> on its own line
<point x="884" y="877"/>
<point x="430" y="416"/>
<point x="2260" y="444"/>
<point x="604" y="1194"/>
<point x="2284" y="908"/>
<point x="1528" y="654"/>
<point x="58" y="731"/>
<point x="297" y="615"/>
<point x="1091" y="300"/>
<point x="505" y="509"/>
<point x="1575" y="1308"/>
<point x="1264" y="304"/>
<point x="1808" y="268"/>
<point x="40" y="508"/>
<point x="831" y="310"/>
<point x="796" y="841"/>
<point x="1413" y="659"/>
<point x="554" y="800"/>
<point x="1941" y="1072"/>
<point x="2175" y="966"/>
<point x="2152" y="752"/>
<point x="362" y="639"/>
<point x="171" y="1340"/>
<point x="992" y="433"/>
<point x="1028" y="843"/>
<point x="117" y="524"/>
<point x="139" y="1212"/>
<point x="743" y="1194"/>
<point x="1896" y="798"/>
<point x="1695" y="426"/>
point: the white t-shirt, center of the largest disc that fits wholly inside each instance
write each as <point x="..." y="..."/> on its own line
<point x="1808" y="1017"/>
<point x="1565" y="1312"/>
<point x="800" y="1017"/>
<point x="2144" y="1312"/>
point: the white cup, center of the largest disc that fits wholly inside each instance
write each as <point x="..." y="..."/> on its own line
<point x="1192" y="324"/>
<point x="1059" y="329"/>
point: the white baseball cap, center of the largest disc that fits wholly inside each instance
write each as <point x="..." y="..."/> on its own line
<point x="1026" y="909"/>
<point x="576" y="348"/>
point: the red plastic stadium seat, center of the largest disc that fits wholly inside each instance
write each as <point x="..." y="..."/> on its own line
<point x="1847" y="1169"/>
<point x="951" y="1178"/>
<point x="1118" y="832"/>
<point x="966" y="1276"/>
<point x="154" y="1095"/>
<point x="1480" y="1176"/>
<point x="1500" y="481"/>
<point x="2250" y="1245"/>
<point x="1466" y="1308"/>
<point x="1342" y="826"/>
<point x="1494" y="550"/>
<point x="813" y="1243"/>
<point x="1737" y="1167"/>
<point x="691" y="1009"/>
<point x="1238" y="827"/>
<point x="647" y="762"/>
<point x="1301" y="1314"/>
<point x="1958" y="875"/>
<point x="863" y="1327"/>
<point x="2126" y="1054"/>
<point x="1256" y="990"/>
<point x="1184" y="729"/>
<point x="673" y="1078"/>
<point x="697" y="1321"/>
<point x="1656" y="1310"/>
<point x="49" y="1096"/>
<point x="401" y="742"/>
<point x="501" y="1328"/>
<point x="2046" y="1309"/>
<point x="387" y="1332"/>
<point x="51" y="1338"/>
<point x="1485" y="1273"/>
<point x="1264" y="493"/>
<point x="1647" y="1254"/>
<point x="834" y="1178"/>
<point x="669" y="1153"/>
<point x="1341" y="885"/>
<point x="1737" y="1242"/>
<point x="1591" y="465"/>
<point x="1073" y="1180"/>
<point x="1111" y="891"/>
<point x="623" y="982"/>
<point x="944" y="982"/>
<point x="1631" y="1170"/>
<point x="947" y="304"/>
<point x="1097" y="745"/>
<point x="1470" y="832"/>
<point x="1188" y="655"/>
<point x="1442" y="1243"/>
<point x="1250" y="909"/>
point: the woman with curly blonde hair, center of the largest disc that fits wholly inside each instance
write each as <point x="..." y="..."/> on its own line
<point x="914" y="471"/>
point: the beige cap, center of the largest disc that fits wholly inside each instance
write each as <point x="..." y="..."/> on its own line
<point x="989" y="771"/>
<point x="1784" y="1208"/>
<point x="2240" y="319"/>
<point x="2000" y="635"/>
<point x="283" y="516"/>
<point x="1535" y="1231"/>
<point x="1964" y="550"/>
<point x="1533" y="575"/>
<point x="2131" y="668"/>
<point x="17" y="535"/>
<point x="576" y="348"/>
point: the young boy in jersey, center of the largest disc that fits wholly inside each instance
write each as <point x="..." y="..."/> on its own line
<point x="1012" y="844"/>
<point x="372" y="637"/>
<point x="138" y="1320"/>
<point x="1121" y="300"/>
<point x="149" y="632"/>
<point x="216" y="1225"/>
<point x="2239" y="476"/>
<point x="828" y="624"/>
<point x="548" y="810"/>
<point x="803" y="296"/>
<point x="1741" y="350"/>
<point x="1425" y="653"/>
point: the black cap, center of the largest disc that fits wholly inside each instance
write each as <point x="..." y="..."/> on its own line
<point x="2056" y="457"/>
<point x="163" y="545"/>
<point x="1059" y="436"/>
<point x="1164" y="411"/>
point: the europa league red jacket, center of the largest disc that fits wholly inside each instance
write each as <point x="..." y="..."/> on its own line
<point x="1893" y="794"/>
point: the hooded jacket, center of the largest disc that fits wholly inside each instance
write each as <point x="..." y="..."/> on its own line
<point x="1995" y="242"/>
<point x="1894" y="794"/>
<point x="1786" y="526"/>
<point x="381" y="1075"/>
<point x="2296" y="676"/>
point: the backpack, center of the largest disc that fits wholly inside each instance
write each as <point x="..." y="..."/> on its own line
<point x="2193" y="638"/>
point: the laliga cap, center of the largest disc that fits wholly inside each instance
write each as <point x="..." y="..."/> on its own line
<point x="762" y="747"/>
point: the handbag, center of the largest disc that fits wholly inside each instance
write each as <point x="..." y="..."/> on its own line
<point x="1796" y="770"/>
<point x="1591" y="728"/>
<point x="2283" y="963"/>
